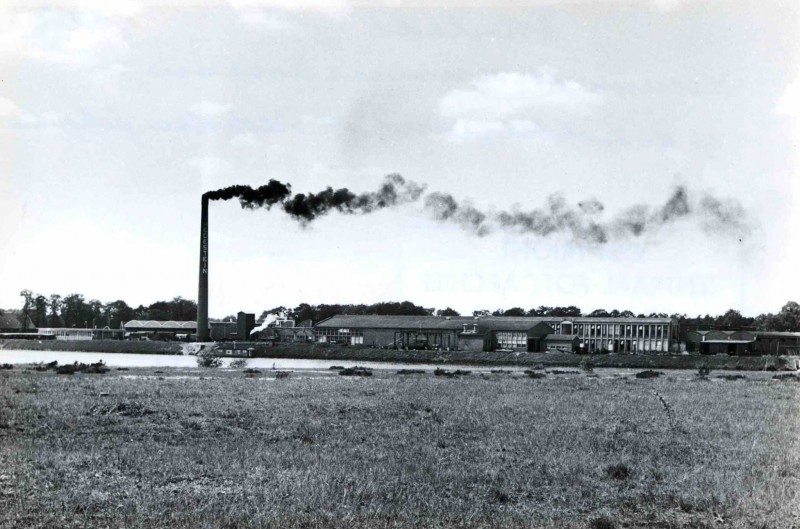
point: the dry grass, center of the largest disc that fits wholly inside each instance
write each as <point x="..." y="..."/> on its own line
<point x="391" y="451"/>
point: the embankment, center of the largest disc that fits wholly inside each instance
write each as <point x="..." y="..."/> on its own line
<point x="332" y="352"/>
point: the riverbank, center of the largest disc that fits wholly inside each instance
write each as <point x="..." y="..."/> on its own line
<point x="331" y="352"/>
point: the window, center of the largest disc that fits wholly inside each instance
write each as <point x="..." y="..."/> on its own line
<point x="343" y="336"/>
<point x="511" y="340"/>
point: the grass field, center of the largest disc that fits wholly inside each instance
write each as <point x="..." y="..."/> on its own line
<point x="324" y="451"/>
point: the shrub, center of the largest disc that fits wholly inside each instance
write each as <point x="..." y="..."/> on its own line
<point x="620" y="471"/>
<point x="703" y="371"/>
<point x="587" y="365"/>
<point x="238" y="363"/>
<point x="356" y="372"/>
<point x="6" y="366"/>
<point x="411" y="372"/>
<point x="207" y="358"/>
<point x="648" y="373"/>
<point x="602" y="522"/>
<point x="534" y="374"/>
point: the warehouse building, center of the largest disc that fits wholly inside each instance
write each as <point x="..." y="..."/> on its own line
<point x="490" y="333"/>
<point x="436" y="332"/>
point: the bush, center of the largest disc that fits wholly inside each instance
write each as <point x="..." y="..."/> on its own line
<point x="703" y="371"/>
<point x="207" y="358"/>
<point x="238" y="363"/>
<point x="648" y="373"/>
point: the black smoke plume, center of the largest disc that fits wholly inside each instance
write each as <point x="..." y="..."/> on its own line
<point x="394" y="191"/>
<point x="582" y="222"/>
<point x="261" y="197"/>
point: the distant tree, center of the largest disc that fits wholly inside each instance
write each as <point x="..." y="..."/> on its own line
<point x="183" y="309"/>
<point x="118" y="312"/>
<point x="40" y="311"/>
<point x="160" y="311"/>
<point x="229" y="318"/>
<point x="542" y="310"/>
<point x="99" y="314"/>
<point x="447" y="312"/>
<point x="75" y="312"/>
<point x="626" y="314"/>
<point x="732" y="319"/>
<point x="599" y="313"/>
<point x="27" y="307"/>
<point x="55" y="311"/>
<point x="141" y="313"/>
<point x="479" y="313"/>
<point x="515" y="311"/>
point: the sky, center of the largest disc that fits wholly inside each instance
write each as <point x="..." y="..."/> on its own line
<point x="114" y="120"/>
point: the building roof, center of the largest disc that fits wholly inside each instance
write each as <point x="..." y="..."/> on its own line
<point x="154" y="325"/>
<point x="777" y="334"/>
<point x="13" y="320"/>
<point x="560" y="338"/>
<point x="452" y="323"/>
<point x="607" y="319"/>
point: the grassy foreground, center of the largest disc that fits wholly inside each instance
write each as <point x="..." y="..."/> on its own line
<point x="322" y="451"/>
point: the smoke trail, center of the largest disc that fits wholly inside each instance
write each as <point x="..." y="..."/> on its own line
<point x="394" y="191"/>
<point x="581" y="222"/>
<point x="260" y="197"/>
<point x="444" y="208"/>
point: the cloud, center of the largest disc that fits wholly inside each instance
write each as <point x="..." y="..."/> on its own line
<point x="246" y="139"/>
<point x="789" y="102"/>
<point x="71" y="38"/>
<point x="13" y="113"/>
<point x="465" y="130"/>
<point x="209" y="165"/>
<point x="263" y="20"/>
<point x="209" y="109"/>
<point x="8" y="108"/>
<point x="506" y="94"/>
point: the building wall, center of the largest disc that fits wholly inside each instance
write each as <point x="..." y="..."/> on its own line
<point x="614" y="336"/>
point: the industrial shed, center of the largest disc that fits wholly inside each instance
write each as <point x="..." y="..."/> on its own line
<point x="721" y="342"/>
<point x="435" y="332"/>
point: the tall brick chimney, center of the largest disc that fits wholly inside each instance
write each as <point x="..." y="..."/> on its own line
<point x="202" y="294"/>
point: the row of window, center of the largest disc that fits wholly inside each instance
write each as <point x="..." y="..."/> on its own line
<point x="341" y="336"/>
<point x="511" y="340"/>
<point x="625" y="345"/>
<point x="604" y="330"/>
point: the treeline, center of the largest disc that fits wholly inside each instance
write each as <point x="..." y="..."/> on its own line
<point x="788" y="319"/>
<point x="75" y="311"/>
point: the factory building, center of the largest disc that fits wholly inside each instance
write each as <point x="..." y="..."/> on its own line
<point x="436" y="332"/>
<point x="490" y="333"/>
<point x="619" y="335"/>
<point x="743" y="342"/>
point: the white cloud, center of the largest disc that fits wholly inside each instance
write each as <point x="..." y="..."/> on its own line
<point x="263" y="20"/>
<point x="209" y="165"/>
<point x="209" y="109"/>
<point x="8" y="108"/>
<point x="247" y="139"/>
<point x="465" y="130"/>
<point x="71" y="38"/>
<point x="789" y="102"/>
<point x="509" y="94"/>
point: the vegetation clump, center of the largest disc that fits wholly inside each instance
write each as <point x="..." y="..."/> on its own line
<point x="411" y="372"/>
<point x="620" y="471"/>
<point x="336" y="368"/>
<point x="786" y="376"/>
<point x="207" y="358"/>
<point x="533" y="374"/>
<point x="126" y="409"/>
<point x="97" y="368"/>
<point x="439" y="372"/>
<point x="7" y="366"/>
<point x="731" y="377"/>
<point x="648" y="373"/>
<point x="563" y="372"/>
<point x="250" y="371"/>
<point x="238" y="363"/>
<point x="356" y="372"/>
<point x="703" y="371"/>
<point x="282" y="374"/>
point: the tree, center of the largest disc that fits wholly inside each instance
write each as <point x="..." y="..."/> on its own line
<point x="55" y="311"/>
<point x="599" y="313"/>
<point x="75" y="311"/>
<point x="447" y="312"/>
<point x="118" y="312"/>
<point x="515" y="311"/>
<point x="732" y="319"/>
<point x="27" y="306"/>
<point x="40" y="311"/>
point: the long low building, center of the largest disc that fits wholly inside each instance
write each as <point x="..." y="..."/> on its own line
<point x="492" y="333"/>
